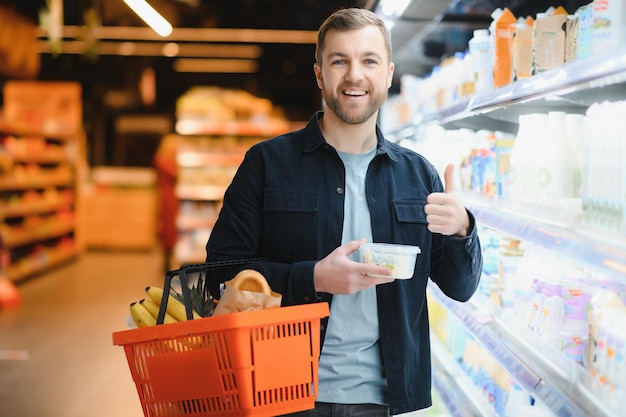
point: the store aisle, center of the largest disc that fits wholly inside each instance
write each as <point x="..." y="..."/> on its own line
<point x="66" y="364"/>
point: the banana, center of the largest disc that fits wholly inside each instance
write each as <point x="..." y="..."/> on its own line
<point x="174" y="307"/>
<point x="153" y="308"/>
<point x="141" y="316"/>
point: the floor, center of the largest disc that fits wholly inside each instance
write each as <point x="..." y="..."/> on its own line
<point x="57" y="358"/>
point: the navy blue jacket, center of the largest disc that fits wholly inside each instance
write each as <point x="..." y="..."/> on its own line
<point x="286" y="205"/>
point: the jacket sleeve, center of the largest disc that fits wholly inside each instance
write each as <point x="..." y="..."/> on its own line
<point x="237" y="236"/>
<point x="456" y="263"/>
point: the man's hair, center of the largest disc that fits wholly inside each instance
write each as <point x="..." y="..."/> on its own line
<point x="350" y="19"/>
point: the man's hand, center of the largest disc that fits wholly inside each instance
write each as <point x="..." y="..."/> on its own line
<point x="445" y="213"/>
<point x="338" y="274"/>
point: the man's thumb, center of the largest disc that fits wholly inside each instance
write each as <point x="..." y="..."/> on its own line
<point x="448" y="179"/>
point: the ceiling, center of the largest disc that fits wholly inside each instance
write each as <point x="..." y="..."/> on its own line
<point x="126" y="48"/>
<point x="427" y="31"/>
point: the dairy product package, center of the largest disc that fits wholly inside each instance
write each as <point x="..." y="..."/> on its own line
<point x="522" y="50"/>
<point x="585" y="30"/>
<point x="548" y="42"/>
<point x="609" y="25"/>
<point x="504" y="24"/>
<point x="481" y="52"/>
<point x="571" y="38"/>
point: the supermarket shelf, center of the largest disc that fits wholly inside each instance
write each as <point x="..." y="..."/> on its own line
<point x="586" y="74"/>
<point x="202" y="159"/>
<point x="200" y="192"/>
<point x="192" y="222"/>
<point x="42" y="158"/>
<point x="60" y="135"/>
<point x="559" y="384"/>
<point x="572" y="88"/>
<point x="459" y="395"/>
<point x="39" y="207"/>
<point x="25" y="237"/>
<point x="189" y="126"/>
<point x="553" y="229"/>
<point x="40" y="264"/>
<point x="11" y="184"/>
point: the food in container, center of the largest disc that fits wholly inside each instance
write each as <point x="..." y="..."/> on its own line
<point x="399" y="258"/>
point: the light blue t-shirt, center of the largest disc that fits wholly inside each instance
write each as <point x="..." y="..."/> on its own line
<point x="350" y="367"/>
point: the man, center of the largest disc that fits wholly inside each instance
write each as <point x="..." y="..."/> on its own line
<point x="305" y="201"/>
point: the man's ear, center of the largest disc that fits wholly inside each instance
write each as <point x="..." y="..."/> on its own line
<point x="318" y="76"/>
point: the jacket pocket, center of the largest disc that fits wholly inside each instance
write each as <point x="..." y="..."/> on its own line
<point x="289" y="216"/>
<point x="412" y="229"/>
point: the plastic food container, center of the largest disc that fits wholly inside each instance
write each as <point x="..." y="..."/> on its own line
<point x="399" y="258"/>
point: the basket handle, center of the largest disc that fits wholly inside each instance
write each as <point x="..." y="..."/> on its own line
<point x="184" y="282"/>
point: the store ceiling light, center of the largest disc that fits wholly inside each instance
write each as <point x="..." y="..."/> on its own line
<point x="394" y="7"/>
<point x="149" y="15"/>
<point x="216" y="65"/>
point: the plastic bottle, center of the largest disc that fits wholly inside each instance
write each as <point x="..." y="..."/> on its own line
<point x="481" y="51"/>
<point x="524" y="161"/>
<point x="574" y="126"/>
<point x="556" y="171"/>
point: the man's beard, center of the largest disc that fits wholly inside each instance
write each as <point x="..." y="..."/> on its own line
<point x="353" y="116"/>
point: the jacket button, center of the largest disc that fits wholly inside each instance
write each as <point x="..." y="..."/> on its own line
<point x="339" y="190"/>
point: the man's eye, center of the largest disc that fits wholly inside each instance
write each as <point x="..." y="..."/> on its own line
<point x="338" y="62"/>
<point x="371" y="62"/>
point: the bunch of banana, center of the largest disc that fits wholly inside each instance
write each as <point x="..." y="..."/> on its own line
<point x="145" y="312"/>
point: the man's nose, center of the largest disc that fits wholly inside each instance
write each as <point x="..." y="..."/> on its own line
<point x="355" y="73"/>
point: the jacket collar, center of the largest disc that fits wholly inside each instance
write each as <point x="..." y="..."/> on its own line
<point x="313" y="138"/>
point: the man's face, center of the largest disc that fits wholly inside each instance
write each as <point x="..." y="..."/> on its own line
<point x="355" y="73"/>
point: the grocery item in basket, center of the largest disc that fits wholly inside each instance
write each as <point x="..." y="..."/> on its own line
<point x="247" y="291"/>
<point x="399" y="258"/>
<point x="251" y="280"/>
<point x="174" y="307"/>
<point x="141" y="316"/>
<point x="153" y="308"/>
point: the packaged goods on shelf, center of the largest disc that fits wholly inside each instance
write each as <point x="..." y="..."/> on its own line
<point x="503" y="27"/>
<point x="39" y="176"/>
<point x="552" y="234"/>
<point x="214" y="129"/>
<point x="609" y="27"/>
<point x="549" y="40"/>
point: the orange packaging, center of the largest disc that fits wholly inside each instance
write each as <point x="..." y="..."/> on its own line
<point x="503" y="45"/>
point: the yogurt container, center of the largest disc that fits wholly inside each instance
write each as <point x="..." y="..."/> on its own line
<point x="399" y="258"/>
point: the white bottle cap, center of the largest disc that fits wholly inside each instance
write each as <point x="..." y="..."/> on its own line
<point x="479" y="33"/>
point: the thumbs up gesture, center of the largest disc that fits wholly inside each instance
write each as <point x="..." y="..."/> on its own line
<point x="445" y="213"/>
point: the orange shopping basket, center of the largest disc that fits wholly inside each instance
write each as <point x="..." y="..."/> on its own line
<point x="257" y="363"/>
